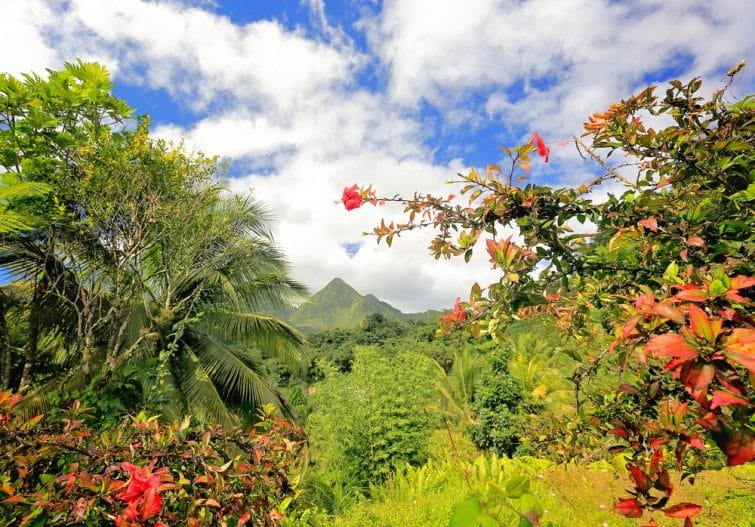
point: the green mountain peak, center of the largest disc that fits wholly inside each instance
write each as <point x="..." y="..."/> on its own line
<point x="338" y="305"/>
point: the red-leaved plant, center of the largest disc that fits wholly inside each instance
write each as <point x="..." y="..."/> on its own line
<point x="59" y="471"/>
<point x="618" y="292"/>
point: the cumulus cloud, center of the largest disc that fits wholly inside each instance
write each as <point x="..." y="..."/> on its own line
<point x="549" y="63"/>
<point x="301" y="112"/>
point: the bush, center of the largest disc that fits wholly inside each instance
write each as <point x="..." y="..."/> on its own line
<point x="375" y="419"/>
<point x="498" y="406"/>
<point x="59" y="471"/>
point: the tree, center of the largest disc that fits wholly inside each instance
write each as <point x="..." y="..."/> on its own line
<point x="664" y="286"/>
<point x="371" y="421"/>
<point x="151" y="272"/>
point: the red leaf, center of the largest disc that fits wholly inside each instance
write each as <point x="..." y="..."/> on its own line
<point x="640" y="478"/>
<point x="742" y="282"/>
<point x="722" y="398"/>
<point x="650" y="223"/>
<point x="629" y="507"/>
<point x="709" y="421"/>
<point x="740" y="448"/>
<point x="619" y="432"/>
<point x="692" y="294"/>
<point x="695" y="241"/>
<point x="696" y="380"/>
<point x="695" y="442"/>
<point x="670" y="345"/>
<point x="683" y="510"/>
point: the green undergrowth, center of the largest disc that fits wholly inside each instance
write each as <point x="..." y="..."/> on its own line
<point x="571" y="495"/>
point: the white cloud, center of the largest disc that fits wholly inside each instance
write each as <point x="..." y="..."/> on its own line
<point x="571" y="57"/>
<point x="287" y="104"/>
<point x="202" y="56"/>
<point x="24" y="48"/>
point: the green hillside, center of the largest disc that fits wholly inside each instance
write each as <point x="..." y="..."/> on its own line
<point x="338" y="305"/>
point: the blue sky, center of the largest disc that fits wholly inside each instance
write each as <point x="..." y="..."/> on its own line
<point x="304" y="97"/>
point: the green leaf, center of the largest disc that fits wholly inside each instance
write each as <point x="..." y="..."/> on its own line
<point x="465" y="513"/>
<point x="529" y="507"/>
<point x="517" y="485"/>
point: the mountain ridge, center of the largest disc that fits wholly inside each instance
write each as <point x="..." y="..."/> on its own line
<point x="338" y="305"/>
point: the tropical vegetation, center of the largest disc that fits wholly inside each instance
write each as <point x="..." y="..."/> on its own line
<point x="159" y="365"/>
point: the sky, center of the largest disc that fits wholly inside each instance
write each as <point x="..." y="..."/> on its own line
<point x="301" y="98"/>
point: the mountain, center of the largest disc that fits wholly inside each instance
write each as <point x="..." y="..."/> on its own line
<point x="338" y="305"/>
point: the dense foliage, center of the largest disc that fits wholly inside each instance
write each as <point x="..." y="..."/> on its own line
<point x="374" y="419"/>
<point x="625" y="297"/>
<point x="145" y="274"/>
<point x="139" y="285"/>
<point x="61" y="471"/>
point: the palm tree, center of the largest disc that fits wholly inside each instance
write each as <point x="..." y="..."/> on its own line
<point x="16" y="215"/>
<point x="162" y="270"/>
<point x="456" y="387"/>
<point x="195" y="317"/>
<point x="202" y="302"/>
<point x="532" y="367"/>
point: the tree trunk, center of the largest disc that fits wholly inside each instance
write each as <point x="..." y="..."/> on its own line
<point x="32" y="346"/>
<point x="5" y="350"/>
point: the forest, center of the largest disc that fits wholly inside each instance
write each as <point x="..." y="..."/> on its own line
<point x="151" y="372"/>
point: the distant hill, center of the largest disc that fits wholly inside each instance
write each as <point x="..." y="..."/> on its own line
<point x="338" y="305"/>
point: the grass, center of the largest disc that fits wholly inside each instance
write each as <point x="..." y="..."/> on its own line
<point x="571" y="495"/>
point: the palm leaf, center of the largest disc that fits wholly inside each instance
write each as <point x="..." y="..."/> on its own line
<point x="202" y="397"/>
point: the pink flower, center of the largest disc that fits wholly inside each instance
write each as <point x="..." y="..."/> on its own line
<point x="542" y="149"/>
<point x="142" y="494"/>
<point x="458" y="312"/>
<point x="351" y="198"/>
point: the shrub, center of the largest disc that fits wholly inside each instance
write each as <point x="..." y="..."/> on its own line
<point x="59" y="471"/>
<point x="374" y="419"/>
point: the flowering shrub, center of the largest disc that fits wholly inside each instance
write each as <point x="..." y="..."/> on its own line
<point x="620" y="293"/>
<point x="59" y="471"/>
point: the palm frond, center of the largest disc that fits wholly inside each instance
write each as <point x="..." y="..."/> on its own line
<point x="266" y="332"/>
<point x="238" y="375"/>
<point x="202" y="397"/>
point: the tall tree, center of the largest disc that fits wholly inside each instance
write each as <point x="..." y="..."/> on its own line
<point x="150" y="264"/>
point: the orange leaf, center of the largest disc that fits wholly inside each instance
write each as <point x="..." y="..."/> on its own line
<point x="650" y="223"/>
<point x="697" y="379"/>
<point x="742" y="282"/>
<point x="629" y="507"/>
<point x="683" y="510"/>
<point x="740" y="347"/>
<point x="700" y="324"/>
<point x="692" y="294"/>
<point x="669" y="312"/>
<point x="695" y="241"/>
<point x="722" y="398"/>
<point x="670" y="345"/>
<point x="628" y="328"/>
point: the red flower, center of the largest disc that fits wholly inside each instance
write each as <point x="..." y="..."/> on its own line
<point x="351" y="198"/>
<point x="143" y="492"/>
<point x="542" y="149"/>
<point x="459" y="314"/>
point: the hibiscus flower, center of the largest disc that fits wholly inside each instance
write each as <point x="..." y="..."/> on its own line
<point x="542" y="149"/>
<point x="351" y="198"/>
